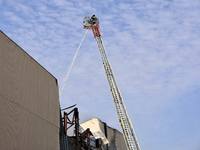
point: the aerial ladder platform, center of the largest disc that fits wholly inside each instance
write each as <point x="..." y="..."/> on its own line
<point x="124" y="120"/>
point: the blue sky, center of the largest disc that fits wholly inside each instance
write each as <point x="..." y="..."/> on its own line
<point x="154" y="50"/>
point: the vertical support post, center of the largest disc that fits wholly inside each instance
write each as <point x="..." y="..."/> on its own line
<point x="76" y="115"/>
<point x="65" y="123"/>
<point x="88" y="138"/>
<point x="76" y="118"/>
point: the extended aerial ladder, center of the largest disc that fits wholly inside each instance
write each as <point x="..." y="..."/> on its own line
<point x="126" y="125"/>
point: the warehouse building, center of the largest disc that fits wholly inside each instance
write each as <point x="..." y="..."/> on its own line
<point x="29" y="101"/>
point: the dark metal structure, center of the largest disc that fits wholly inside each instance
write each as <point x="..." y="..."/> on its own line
<point x="80" y="141"/>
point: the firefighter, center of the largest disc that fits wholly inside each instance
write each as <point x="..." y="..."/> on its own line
<point x="93" y="19"/>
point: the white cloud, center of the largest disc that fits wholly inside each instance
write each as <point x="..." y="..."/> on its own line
<point x="153" y="47"/>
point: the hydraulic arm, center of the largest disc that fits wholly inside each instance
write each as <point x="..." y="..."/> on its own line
<point x="125" y="122"/>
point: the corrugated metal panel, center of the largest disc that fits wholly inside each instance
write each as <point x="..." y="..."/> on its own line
<point x="29" y="101"/>
<point x="6" y="124"/>
<point x="1" y="72"/>
<point x="54" y="108"/>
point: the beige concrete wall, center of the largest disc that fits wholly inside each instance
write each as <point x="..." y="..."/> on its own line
<point x="29" y="101"/>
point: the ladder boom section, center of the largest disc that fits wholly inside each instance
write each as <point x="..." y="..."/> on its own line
<point x="126" y="125"/>
<point x="125" y="122"/>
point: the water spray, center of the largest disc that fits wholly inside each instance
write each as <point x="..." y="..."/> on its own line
<point x="71" y="66"/>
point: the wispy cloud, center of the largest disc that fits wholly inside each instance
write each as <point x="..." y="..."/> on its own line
<point x="153" y="47"/>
